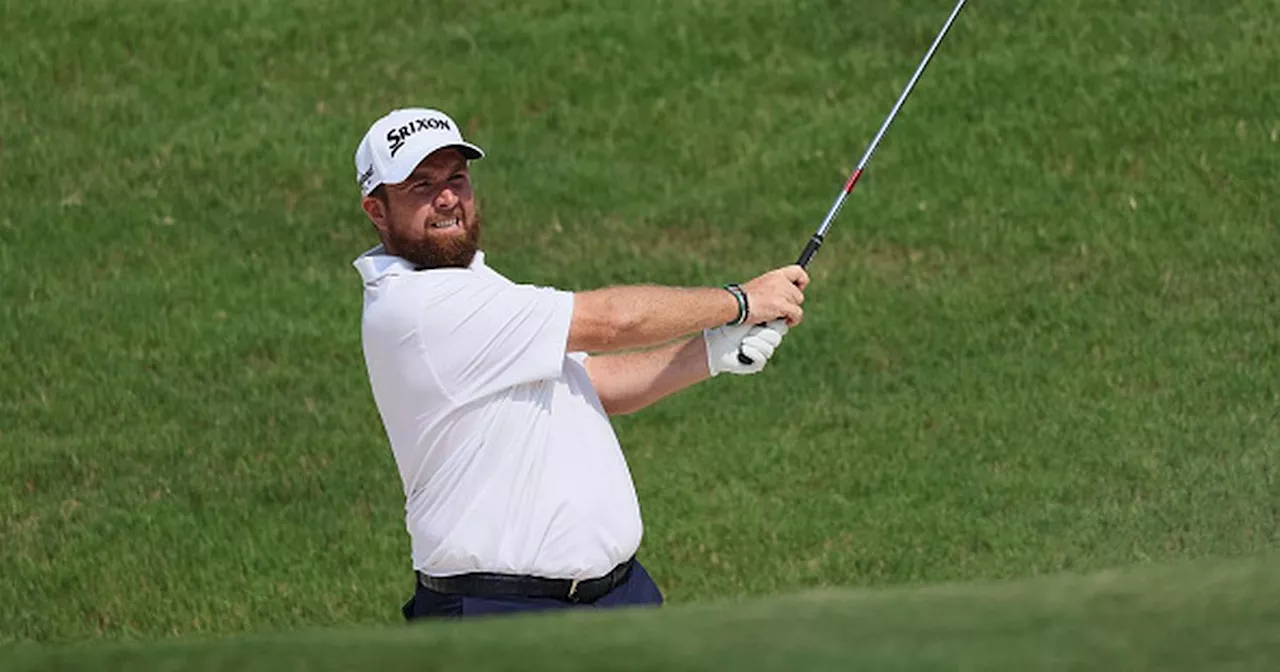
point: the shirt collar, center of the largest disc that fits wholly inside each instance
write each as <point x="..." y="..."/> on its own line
<point x="376" y="264"/>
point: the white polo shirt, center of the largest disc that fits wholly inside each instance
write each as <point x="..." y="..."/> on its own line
<point x="508" y="460"/>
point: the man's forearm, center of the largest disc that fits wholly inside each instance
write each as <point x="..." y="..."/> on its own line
<point x="639" y="316"/>
<point x="628" y="382"/>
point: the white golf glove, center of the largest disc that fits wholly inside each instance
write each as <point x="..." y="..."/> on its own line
<point x="757" y="342"/>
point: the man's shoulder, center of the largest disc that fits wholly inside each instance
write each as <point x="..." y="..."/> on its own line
<point x="426" y="289"/>
<point x="447" y="293"/>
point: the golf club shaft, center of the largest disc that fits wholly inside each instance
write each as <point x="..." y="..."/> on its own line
<point x="816" y="241"/>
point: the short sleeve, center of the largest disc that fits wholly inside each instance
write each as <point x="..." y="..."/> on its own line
<point x="483" y="335"/>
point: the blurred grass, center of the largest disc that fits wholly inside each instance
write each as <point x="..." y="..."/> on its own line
<point x="1042" y="336"/>
<point x="1207" y="615"/>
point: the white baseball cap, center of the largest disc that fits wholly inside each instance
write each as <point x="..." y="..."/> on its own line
<point x="398" y="142"/>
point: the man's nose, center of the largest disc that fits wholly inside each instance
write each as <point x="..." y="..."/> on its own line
<point x="446" y="199"/>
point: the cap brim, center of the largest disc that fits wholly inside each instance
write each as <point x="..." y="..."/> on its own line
<point x="469" y="152"/>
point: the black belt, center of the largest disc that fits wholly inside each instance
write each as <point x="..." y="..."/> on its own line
<point x="485" y="584"/>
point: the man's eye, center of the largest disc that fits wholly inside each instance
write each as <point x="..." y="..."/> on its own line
<point x="458" y="177"/>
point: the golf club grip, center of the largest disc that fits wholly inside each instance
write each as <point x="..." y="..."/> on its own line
<point x="809" y="250"/>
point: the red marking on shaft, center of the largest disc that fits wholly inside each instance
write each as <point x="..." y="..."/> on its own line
<point x="853" y="179"/>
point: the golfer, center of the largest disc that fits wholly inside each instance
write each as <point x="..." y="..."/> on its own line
<point x="517" y="494"/>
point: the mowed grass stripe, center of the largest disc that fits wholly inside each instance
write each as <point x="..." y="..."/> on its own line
<point x="1208" y="615"/>
<point x="1042" y="335"/>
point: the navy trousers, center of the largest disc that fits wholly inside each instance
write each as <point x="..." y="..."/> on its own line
<point x="638" y="590"/>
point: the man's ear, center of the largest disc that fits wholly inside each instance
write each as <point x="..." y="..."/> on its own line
<point x="377" y="213"/>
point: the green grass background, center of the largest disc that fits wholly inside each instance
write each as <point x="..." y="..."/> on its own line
<point x="1043" y="336"/>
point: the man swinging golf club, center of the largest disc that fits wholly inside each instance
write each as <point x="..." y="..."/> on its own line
<point x="518" y="496"/>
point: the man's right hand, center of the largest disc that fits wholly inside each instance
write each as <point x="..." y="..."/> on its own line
<point x="777" y="295"/>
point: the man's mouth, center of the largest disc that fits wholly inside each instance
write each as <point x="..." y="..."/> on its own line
<point x="447" y="224"/>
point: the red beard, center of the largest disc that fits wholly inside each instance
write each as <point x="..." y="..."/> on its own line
<point x="444" y="252"/>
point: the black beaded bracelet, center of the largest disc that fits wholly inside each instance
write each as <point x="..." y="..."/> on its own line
<point x="744" y="308"/>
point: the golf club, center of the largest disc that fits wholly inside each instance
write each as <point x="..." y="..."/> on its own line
<point x="820" y="234"/>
